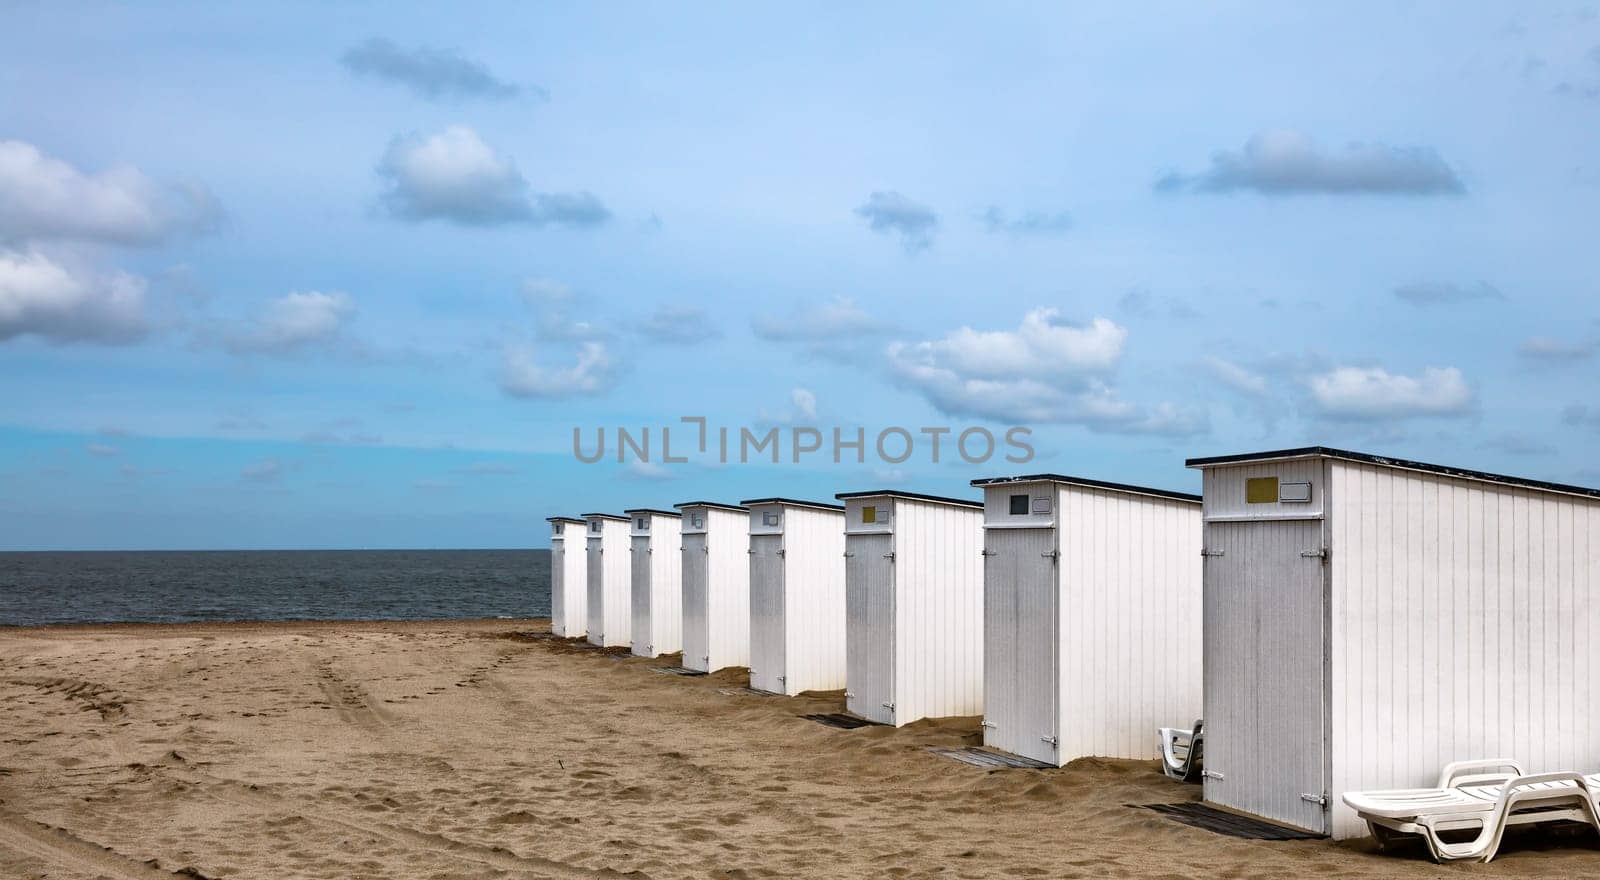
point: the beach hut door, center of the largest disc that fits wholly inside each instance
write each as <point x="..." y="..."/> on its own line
<point x="559" y="587"/>
<point x="1020" y="675"/>
<point x="1264" y="672"/>
<point x="869" y="663"/>
<point x="768" y="637"/>
<point x="595" y="587"/>
<point x="642" y="635"/>
<point x="696" y="604"/>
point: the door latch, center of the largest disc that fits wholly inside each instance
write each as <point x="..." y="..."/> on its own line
<point x="1315" y="554"/>
<point x="1320" y="799"/>
<point x="849" y="555"/>
<point x="987" y="723"/>
<point x="1049" y="739"/>
<point x="1213" y="774"/>
<point x="889" y="556"/>
<point x="889" y="706"/>
<point x="988" y="552"/>
<point x="1213" y="552"/>
<point x="1053" y="554"/>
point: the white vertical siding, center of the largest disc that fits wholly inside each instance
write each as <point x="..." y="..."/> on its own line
<point x="1130" y="620"/>
<point x="1264" y="662"/>
<point x="1462" y="620"/>
<point x="569" y="580"/>
<point x="609" y="577"/>
<point x="870" y="634"/>
<point x="768" y="636"/>
<point x="728" y="543"/>
<point x="1021" y="622"/>
<point x="814" y="600"/>
<point x="1225" y="489"/>
<point x="657" y="585"/>
<point x="938" y="608"/>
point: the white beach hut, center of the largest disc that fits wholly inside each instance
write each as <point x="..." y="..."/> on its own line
<point x="716" y="585"/>
<point x="1092" y="626"/>
<point x="1369" y="620"/>
<point x="657" y="582"/>
<point x="914" y="606"/>
<point x="569" y="577"/>
<point x="796" y="595"/>
<point x="610" y="617"/>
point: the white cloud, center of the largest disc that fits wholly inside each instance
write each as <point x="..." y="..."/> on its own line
<point x="44" y="199"/>
<point x="891" y="213"/>
<point x="1375" y="393"/>
<point x="455" y="176"/>
<point x="267" y="470"/>
<point x="65" y="303"/>
<point x="802" y="410"/>
<point x="1543" y="348"/>
<point x="1043" y="372"/>
<point x="647" y="470"/>
<point x="805" y="402"/>
<point x="102" y="450"/>
<point x="294" y="321"/>
<point x="996" y="220"/>
<point x="1279" y="162"/>
<point x="551" y="302"/>
<point x="435" y="74"/>
<point x="1236" y="377"/>
<point x="593" y="371"/>
<point x="679" y="325"/>
<point x="839" y="317"/>
<point x="1444" y="293"/>
<point x="1041" y="347"/>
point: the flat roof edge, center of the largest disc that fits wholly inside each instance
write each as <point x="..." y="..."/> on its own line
<point x="605" y="516"/>
<point x="714" y="505"/>
<point x="1088" y="483"/>
<point x="1398" y="463"/>
<point x="653" y="511"/>
<point x="565" y="519"/>
<point x="912" y="496"/>
<point x="793" y="502"/>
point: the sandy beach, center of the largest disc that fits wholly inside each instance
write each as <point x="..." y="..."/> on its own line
<point x="477" y="749"/>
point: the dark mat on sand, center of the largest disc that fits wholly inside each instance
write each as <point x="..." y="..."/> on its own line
<point x="1223" y="822"/>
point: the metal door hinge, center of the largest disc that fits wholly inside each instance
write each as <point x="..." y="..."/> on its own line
<point x="1320" y="799"/>
<point x="706" y="548"/>
<point x="987" y="723"/>
<point x="649" y="549"/>
<point x="889" y="706"/>
<point x="1213" y="774"/>
<point x="849" y="555"/>
<point x="1315" y="554"/>
<point x="1053" y="554"/>
<point x="889" y="556"/>
<point x="849" y="695"/>
<point x="751" y="551"/>
<point x="989" y="553"/>
<point x="1049" y="739"/>
<point x="783" y="678"/>
<point x="1213" y="552"/>
<point x="782" y="552"/>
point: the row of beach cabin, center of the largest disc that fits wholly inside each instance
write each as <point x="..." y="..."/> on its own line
<point x="1342" y="622"/>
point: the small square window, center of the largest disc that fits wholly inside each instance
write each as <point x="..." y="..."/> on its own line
<point x="769" y="518"/>
<point x="642" y="523"/>
<point x="697" y="521"/>
<point x="869" y="514"/>
<point x="594" y="525"/>
<point x="1019" y="505"/>
<point x="1041" y="504"/>
<point x="1261" y="490"/>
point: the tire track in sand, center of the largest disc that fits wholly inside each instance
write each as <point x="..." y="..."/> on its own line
<point x="63" y="849"/>
<point x="244" y="794"/>
<point x="349" y="700"/>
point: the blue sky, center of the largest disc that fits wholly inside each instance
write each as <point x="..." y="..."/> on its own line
<point x="299" y="277"/>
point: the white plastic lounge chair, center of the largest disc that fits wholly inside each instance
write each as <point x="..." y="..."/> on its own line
<point x="1182" y="751"/>
<point x="1485" y="795"/>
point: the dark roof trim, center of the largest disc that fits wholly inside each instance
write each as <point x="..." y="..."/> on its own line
<point x="790" y="502"/>
<point x="912" y="496"/>
<point x="652" y="511"/>
<point x="605" y="516"/>
<point x="1386" y="461"/>
<point x="565" y="519"/>
<point x="713" y="505"/>
<point x="1089" y="484"/>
